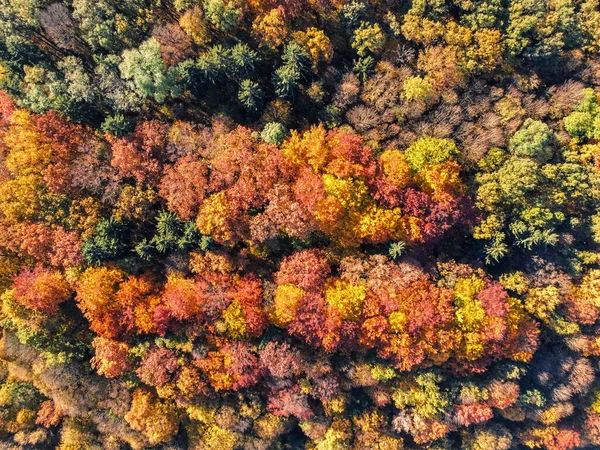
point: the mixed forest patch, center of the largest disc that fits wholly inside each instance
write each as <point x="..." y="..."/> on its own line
<point x="306" y="224"/>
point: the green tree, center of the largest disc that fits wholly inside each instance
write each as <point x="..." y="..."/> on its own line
<point x="430" y="150"/>
<point x="296" y="59"/>
<point x="484" y="14"/>
<point x="418" y="89"/>
<point x="79" y="84"/>
<point x="215" y="64"/>
<point x="251" y="96"/>
<point x="363" y="67"/>
<point x="296" y="65"/>
<point x="584" y="121"/>
<point x="354" y="13"/>
<point x="530" y="203"/>
<point x="368" y="38"/>
<point x="243" y="62"/>
<point x="109" y="26"/>
<point x="274" y="133"/>
<point x="108" y="243"/>
<point x="533" y="140"/>
<point x="146" y="71"/>
<point x="518" y="177"/>
<point x="224" y="15"/>
<point x="174" y="234"/>
<point x="43" y="90"/>
<point x="538" y="28"/>
<point x="117" y="125"/>
<point x="286" y="81"/>
<point x="116" y="93"/>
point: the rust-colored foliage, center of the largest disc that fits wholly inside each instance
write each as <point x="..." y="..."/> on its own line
<point x="42" y="289"/>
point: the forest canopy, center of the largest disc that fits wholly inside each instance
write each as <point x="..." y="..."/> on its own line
<point x="305" y="224"/>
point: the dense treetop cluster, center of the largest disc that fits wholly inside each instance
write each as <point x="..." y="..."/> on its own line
<point x="306" y="224"/>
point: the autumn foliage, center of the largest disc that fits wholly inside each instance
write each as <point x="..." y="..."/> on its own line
<point x="299" y="224"/>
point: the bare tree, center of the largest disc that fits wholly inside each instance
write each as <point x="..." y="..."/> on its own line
<point x="60" y="27"/>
